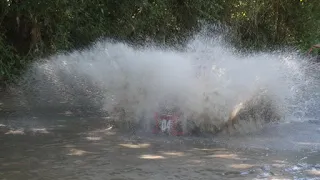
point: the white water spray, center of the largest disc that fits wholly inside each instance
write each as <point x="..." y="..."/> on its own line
<point x="206" y="77"/>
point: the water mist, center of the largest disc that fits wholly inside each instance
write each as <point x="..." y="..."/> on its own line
<point x="207" y="77"/>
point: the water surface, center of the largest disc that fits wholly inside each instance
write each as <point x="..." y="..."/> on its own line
<point x="65" y="146"/>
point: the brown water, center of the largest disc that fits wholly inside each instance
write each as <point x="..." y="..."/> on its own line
<point x="64" y="146"/>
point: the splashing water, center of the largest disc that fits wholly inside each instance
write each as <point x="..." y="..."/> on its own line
<point x="206" y="76"/>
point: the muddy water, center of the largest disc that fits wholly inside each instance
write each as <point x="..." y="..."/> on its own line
<point x="64" y="146"/>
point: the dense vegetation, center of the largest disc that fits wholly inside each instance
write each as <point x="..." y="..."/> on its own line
<point x="36" y="28"/>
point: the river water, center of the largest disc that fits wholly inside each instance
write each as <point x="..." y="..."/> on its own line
<point x="66" y="146"/>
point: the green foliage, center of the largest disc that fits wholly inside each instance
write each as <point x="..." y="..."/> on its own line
<point x="271" y="23"/>
<point x="33" y="29"/>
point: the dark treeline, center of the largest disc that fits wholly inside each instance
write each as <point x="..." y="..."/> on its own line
<point x="31" y="29"/>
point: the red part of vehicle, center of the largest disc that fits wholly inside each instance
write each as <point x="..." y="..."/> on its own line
<point x="167" y="124"/>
